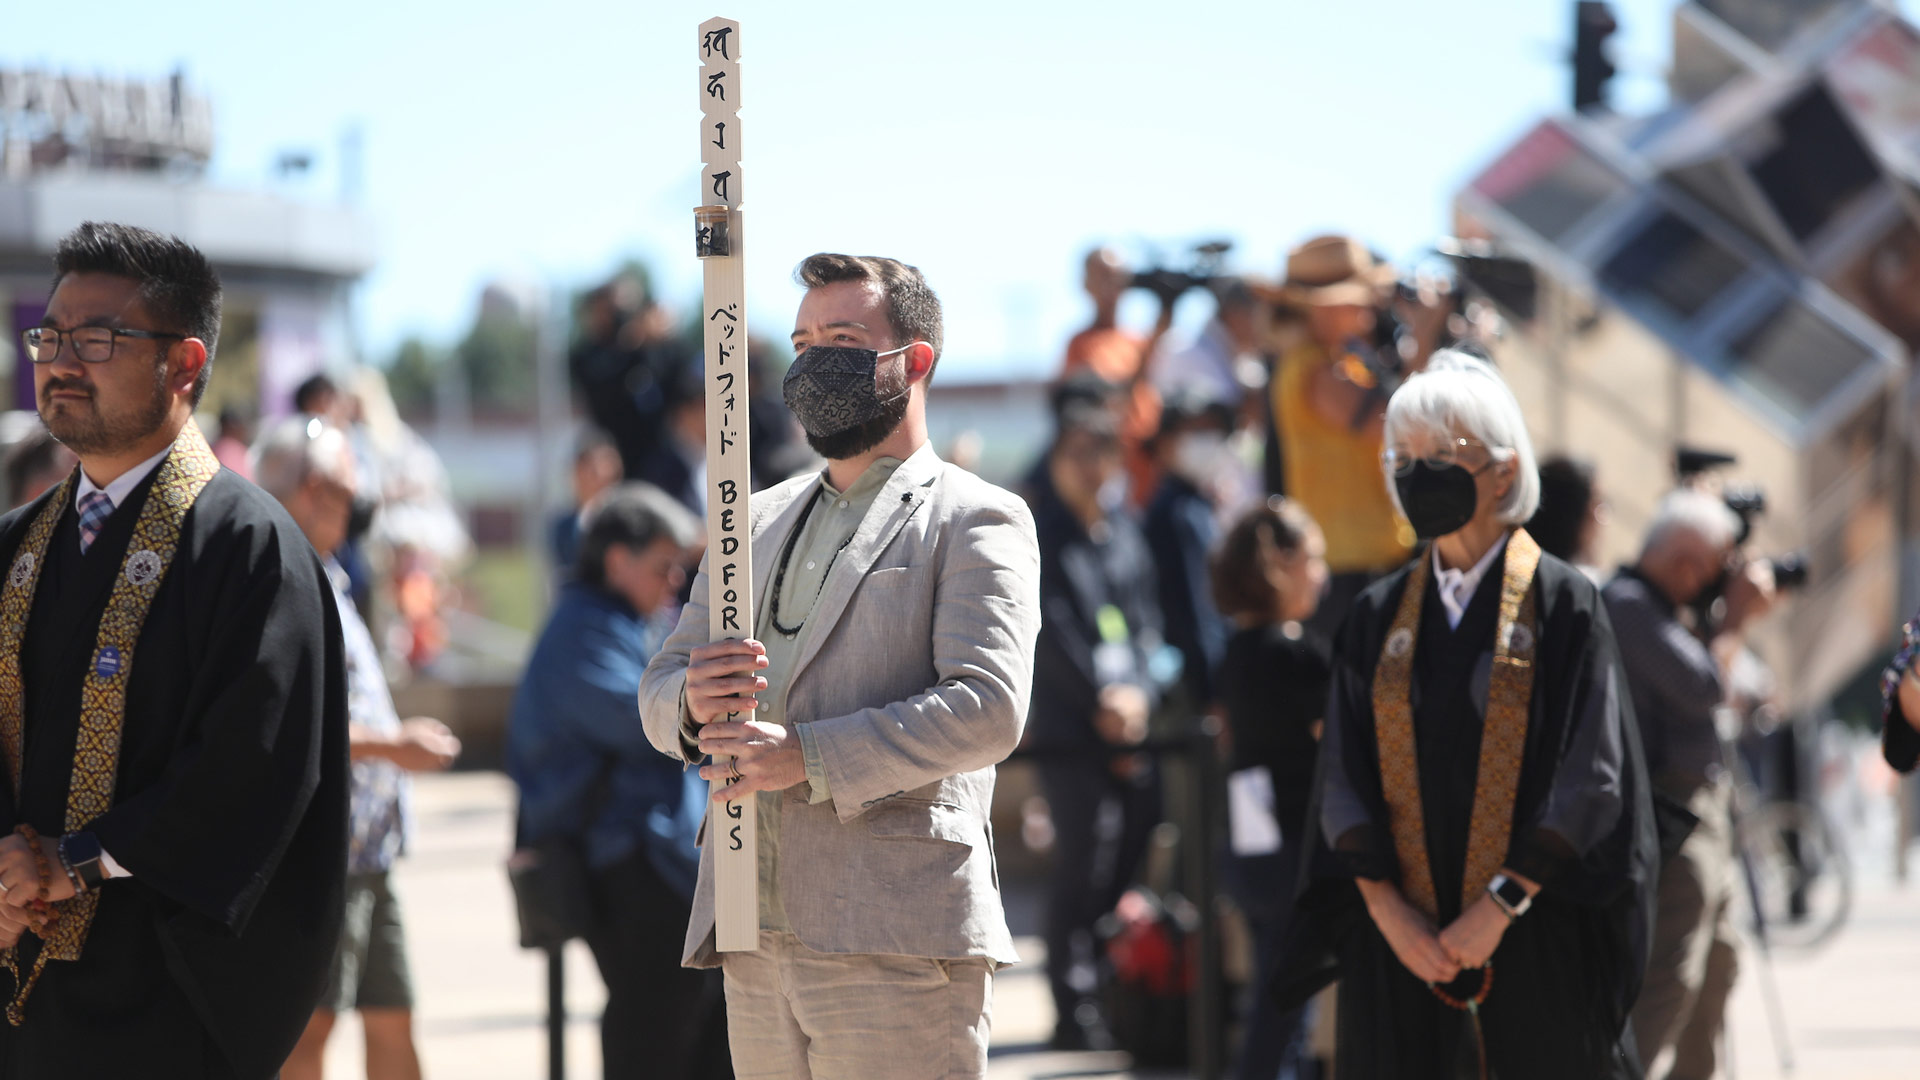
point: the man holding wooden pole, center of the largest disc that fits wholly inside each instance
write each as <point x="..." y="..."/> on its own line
<point x="888" y="673"/>
<point x="856" y="657"/>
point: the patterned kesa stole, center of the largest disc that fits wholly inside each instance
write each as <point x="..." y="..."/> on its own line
<point x="1503" y="738"/>
<point x="103" y="698"/>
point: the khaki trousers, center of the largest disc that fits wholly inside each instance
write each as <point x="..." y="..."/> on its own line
<point x="1695" y="959"/>
<point x="796" y="1014"/>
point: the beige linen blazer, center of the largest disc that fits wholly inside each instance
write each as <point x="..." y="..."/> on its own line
<point x="915" y="679"/>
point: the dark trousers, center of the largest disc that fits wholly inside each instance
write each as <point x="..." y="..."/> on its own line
<point x="1273" y="1043"/>
<point x="1101" y="824"/>
<point x="661" y="1019"/>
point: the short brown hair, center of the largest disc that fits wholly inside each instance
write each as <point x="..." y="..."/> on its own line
<point x="1238" y="569"/>
<point x="913" y="311"/>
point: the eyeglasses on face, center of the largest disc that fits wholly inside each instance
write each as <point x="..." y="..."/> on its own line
<point x="92" y="344"/>
<point x="1400" y="459"/>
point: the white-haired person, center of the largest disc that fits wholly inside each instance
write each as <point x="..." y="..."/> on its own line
<point x="1481" y="877"/>
<point x="309" y="467"/>
<point x="1680" y="680"/>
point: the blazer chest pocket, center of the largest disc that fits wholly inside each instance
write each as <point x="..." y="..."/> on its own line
<point x="889" y="576"/>
<point x="923" y="819"/>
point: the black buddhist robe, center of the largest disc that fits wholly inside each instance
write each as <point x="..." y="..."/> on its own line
<point x="1567" y="972"/>
<point x="230" y="808"/>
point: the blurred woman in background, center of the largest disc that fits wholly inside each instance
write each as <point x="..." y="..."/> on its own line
<point x="1268" y="575"/>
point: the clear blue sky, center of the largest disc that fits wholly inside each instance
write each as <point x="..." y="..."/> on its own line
<point x="988" y="142"/>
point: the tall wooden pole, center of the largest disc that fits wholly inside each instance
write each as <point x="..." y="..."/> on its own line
<point x="717" y="241"/>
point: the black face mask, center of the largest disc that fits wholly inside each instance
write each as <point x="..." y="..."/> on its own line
<point x="832" y="388"/>
<point x="1437" y="501"/>
<point x="360" y="518"/>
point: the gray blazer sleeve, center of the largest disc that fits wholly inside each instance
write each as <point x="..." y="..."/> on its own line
<point x="986" y="617"/>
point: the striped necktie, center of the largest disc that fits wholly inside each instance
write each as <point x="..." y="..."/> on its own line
<point x="95" y="509"/>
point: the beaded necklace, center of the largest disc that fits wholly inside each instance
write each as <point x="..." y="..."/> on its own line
<point x="780" y="574"/>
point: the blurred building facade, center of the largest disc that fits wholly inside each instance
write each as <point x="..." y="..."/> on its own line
<point x="76" y="147"/>
<point x="1741" y="272"/>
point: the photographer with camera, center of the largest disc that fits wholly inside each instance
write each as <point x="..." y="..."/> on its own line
<point x="1222" y="361"/>
<point x="1119" y="356"/>
<point x="1329" y="398"/>
<point x="1678" y="670"/>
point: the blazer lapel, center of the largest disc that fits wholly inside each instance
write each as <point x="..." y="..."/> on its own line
<point x="902" y="497"/>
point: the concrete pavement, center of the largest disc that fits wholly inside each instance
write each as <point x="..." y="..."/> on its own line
<point x="1852" y="1008"/>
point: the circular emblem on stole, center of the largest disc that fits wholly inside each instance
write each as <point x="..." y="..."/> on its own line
<point x="22" y="570"/>
<point x="1400" y="643"/>
<point x="143" y="567"/>
<point x="1519" y="640"/>
<point x="107" y="664"/>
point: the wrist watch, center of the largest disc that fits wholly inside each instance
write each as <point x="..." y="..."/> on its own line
<point x="81" y="852"/>
<point x="1510" y="895"/>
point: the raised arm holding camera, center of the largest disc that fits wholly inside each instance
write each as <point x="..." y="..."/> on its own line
<point x="1329" y="403"/>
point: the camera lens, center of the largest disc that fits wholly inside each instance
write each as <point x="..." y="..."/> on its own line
<point x="1790" y="571"/>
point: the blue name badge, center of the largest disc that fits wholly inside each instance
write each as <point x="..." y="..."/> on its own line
<point x="107" y="664"/>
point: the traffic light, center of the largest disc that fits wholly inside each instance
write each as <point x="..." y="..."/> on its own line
<point x="1592" y="25"/>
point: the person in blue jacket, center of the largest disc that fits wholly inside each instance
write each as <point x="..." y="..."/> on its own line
<point x="577" y="751"/>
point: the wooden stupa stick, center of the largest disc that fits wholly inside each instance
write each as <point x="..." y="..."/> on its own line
<point x="729" y="555"/>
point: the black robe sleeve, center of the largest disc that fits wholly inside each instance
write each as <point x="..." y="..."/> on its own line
<point x="211" y="830"/>
<point x="1899" y="743"/>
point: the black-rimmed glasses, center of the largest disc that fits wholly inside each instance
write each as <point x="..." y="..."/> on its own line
<point x="92" y="344"/>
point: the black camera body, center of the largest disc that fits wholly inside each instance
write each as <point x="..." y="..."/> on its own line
<point x="1789" y="570"/>
<point x="1748" y="502"/>
<point x="1170" y="284"/>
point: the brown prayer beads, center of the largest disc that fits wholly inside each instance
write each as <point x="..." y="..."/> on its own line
<point x="42" y="904"/>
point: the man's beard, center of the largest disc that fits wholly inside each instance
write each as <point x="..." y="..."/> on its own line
<point x="91" y="432"/>
<point x="861" y="438"/>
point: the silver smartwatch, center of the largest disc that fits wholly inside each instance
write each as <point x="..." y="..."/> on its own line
<point x="1510" y="895"/>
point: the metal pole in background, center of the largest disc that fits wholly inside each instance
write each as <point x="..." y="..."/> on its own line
<point x="550" y="394"/>
<point x="1207" y="1016"/>
<point x="557" y="1013"/>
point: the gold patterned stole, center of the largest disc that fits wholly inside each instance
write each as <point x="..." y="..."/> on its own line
<point x="103" y="698"/>
<point x="1503" y="737"/>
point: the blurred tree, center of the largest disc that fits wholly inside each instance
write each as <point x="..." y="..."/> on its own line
<point x="497" y="357"/>
<point x="413" y="373"/>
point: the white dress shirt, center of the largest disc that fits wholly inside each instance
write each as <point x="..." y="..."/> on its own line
<point x="116" y="492"/>
<point x="120" y="486"/>
<point x="1458" y="586"/>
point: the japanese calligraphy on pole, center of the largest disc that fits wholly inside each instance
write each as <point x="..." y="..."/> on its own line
<point x="717" y="242"/>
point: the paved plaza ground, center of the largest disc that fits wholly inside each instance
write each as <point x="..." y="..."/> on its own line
<point x="1852" y="1008"/>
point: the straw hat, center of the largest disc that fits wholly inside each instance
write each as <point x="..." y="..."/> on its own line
<point x="1329" y="271"/>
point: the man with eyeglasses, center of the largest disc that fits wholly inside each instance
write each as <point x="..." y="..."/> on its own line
<point x="172" y="707"/>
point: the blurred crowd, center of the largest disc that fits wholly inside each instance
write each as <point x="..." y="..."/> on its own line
<point x="1209" y="505"/>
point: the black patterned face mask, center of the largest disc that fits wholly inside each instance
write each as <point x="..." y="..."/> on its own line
<point x="833" y="388"/>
